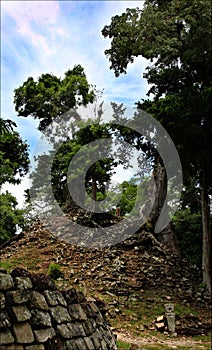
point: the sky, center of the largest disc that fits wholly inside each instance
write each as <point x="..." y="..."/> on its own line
<point x="51" y="37"/>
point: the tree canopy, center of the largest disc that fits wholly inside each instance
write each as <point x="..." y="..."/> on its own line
<point x="50" y="96"/>
<point x="14" y="157"/>
<point x="14" y="165"/>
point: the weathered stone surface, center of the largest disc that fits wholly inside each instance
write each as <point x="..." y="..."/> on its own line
<point x="18" y="296"/>
<point x="80" y="344"/>
<point x="96" y="340"/>
<point x="21" y="313"/>
<point x="90" y="345"/>
<point x="35" y="347"/>
<point x="4" y="320"/>
<point x="64" y="331"/>
<point x="6" y="281"/>
<point x="160" y="326"/>
<point x="42" y="335"/>
<point x="160" y="319"/>
<point x="41" y="282"/>
<point x="60" y="314"/>
<point x="77" y="313"/>
<point x="70" y="345"/>
<point x="6" y="338"/>
<point x="77" y="329"/>
<point x="23" y="283"/>
<point x="89" y="326"/>
<point x="2" y="301"/>
<point x="54" y="298"/>
<point x="38" y="301"/>
<point x="23" y="333"/>
<point x="40" y="319"/>
<point x="12" y="347"/>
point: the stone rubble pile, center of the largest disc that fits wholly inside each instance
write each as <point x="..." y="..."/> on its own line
<point x="127" y="270"/>
<point x="35" y="315"/>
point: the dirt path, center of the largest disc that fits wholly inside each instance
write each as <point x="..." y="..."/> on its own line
<point x="172" y="343"/>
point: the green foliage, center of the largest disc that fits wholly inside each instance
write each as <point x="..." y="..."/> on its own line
<point x="50" y="96"/>
<point x="98" y="173"/>
<point x="13" y="154"/>
<point x="188" y="227"/>
<point x="54" y="271"/>
<point x="10" y="217"/>
<point x="176" y="36"/>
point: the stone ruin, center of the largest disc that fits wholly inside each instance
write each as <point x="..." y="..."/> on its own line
<point x="35" y="315"/>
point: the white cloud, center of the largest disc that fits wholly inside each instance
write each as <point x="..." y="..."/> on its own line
<point x="27" y="13"/>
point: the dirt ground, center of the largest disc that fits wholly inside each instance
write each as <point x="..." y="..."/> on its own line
<point x="171" y="342"/>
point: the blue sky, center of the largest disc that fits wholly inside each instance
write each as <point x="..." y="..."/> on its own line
<point x="52" y="36"/>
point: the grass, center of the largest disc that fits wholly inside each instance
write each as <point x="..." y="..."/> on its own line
<point x="12" y="263"/>
<point x="122" y="345"/>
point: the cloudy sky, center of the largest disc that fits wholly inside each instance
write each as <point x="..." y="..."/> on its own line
<point x="51" y="37"/>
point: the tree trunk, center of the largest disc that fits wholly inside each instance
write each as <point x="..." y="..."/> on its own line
<point x="206" y="239"/>
<point x="167" y="236"/>
<point x="94" y="192"/>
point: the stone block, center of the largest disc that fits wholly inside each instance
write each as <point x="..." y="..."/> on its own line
<point x="6" y="338"/>
<point x="21" y="313"/>
<point x="96" y="341"/>
<point x="99" y="319"/>
<point x="38" y="301"/>
<point x="93" y="308"/>
<point x="70" y="344"/>
<point x="23" y="333"/>
<point x="35" y="347"/>
<point x="77" y="313"/>
<point x="89" y="326"/>
<point x="54" y="298"/>
<point x="90" y="309"/>
<point x="80" y="344"/>
<point x="40" y="318"/>
<point x="12" y="347"/>
<point x="18" y="296"/>
<point x="160" y="319"/>
<point x="4" y="320"/>
<point x="6" y="281"/>
<point x="42" y="335"/>
<point x="23" y="283"/>
<point x="76" y="329"/>
<point x="64" y="331"/>
<point x="2" y="301"/>
<point x="90" y="345"/>
<point x="60" y="314"/>
<point x="160" y="326"/>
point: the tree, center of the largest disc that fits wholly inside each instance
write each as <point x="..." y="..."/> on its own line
<point x="10" y="217"/>
<point x="13" y="154"/>
<point x="14" y="165"/>
<point x="176" y="37"/>
<point x="95" y="178"/>
<point x="50" y="96"/>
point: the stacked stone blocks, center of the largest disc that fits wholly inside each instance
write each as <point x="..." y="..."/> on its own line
<point x="35" y="315"/>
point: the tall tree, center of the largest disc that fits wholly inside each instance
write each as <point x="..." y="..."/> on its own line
<point x="14" y="165"/>
<point x="48" y="98"/>
<point x="176" y="37"/>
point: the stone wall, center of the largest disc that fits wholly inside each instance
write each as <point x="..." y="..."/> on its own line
<point x="35" y="315"/>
